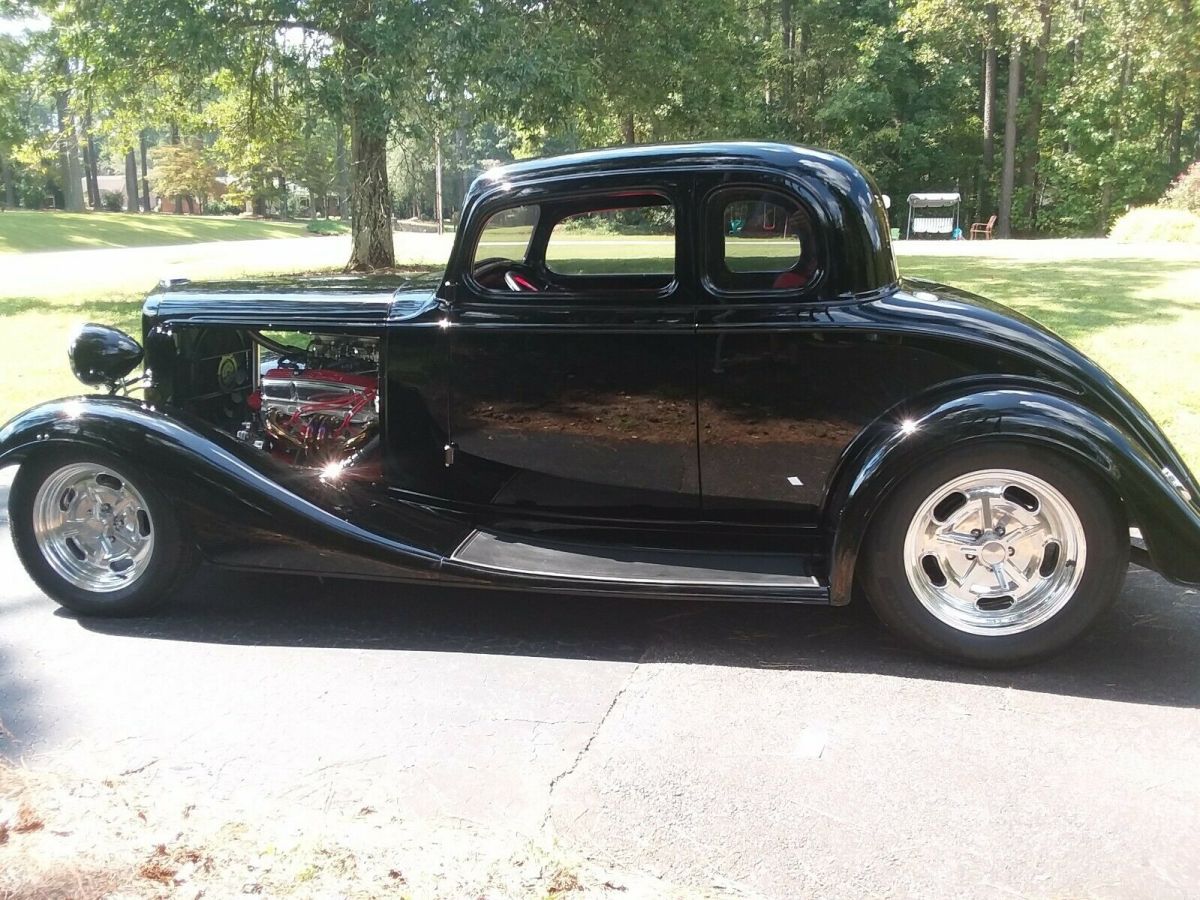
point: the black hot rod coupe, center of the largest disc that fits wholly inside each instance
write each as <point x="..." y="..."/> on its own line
<point x="685" y="370"/>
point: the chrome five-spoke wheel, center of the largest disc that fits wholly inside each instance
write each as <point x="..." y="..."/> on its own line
<point x="995" y="552"/>
<point x="93" y="527"/>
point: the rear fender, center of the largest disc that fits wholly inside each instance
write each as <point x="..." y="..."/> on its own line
<point x="241" y="506"/>
<point x="900" y="442"/>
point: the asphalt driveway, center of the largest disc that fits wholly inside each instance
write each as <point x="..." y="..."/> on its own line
<point x="758" y="750"/>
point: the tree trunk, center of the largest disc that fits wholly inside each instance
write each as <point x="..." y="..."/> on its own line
<point x="175" y="142"/>
<point x="437" y="183"/>
<point x="90" y="163"/>
<point x="370" y="201"/>
<point x="131" y="182"/>
<point x="1033" y="131"/>
<point x="988" y="161"/>
<point x="71" y="172"/>
<point x="1175" y="151"/>
<point x="767" y="29"/>
<point x="343" y="169"/>
<point x="370" y="197"/>
<point x="787" y="37"/>
<point x="10" y="188"/>
<point x="1008" y="172"/>
<point x="284" y="212"/>
<point x="628" y="134"/>
<point x="1106" y="190"/>
<point x="145" y="172"/>
<point x="803" y="43"/>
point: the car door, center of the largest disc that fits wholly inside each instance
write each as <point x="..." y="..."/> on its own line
<point x="572" y="359"/>
<point x="767" y="424"/>
<point x="786" y="379"/>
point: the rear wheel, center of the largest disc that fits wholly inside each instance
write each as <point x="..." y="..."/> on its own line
<point x="996" y="555"/>
<point x="95" y="534"/>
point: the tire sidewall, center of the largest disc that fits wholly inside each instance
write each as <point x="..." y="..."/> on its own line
<point x="168" y="555"/>
<point x="1105" y="532"/>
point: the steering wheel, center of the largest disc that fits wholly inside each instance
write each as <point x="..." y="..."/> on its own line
<point x="521" y="279"/>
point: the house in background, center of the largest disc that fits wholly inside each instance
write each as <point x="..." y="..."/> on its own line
<point x="115" y="184"/>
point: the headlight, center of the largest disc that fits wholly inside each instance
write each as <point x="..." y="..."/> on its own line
<point x="102" y="356"/>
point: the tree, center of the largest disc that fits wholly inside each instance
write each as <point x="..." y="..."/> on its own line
<point x="1009" y="165"/>
<point x="353" y="98"/>
<point x="1036" y="91"/>
<point x="12" y="121"/>
<point x="181" y="170"/>
<point x="131" y="182"/>
<point x="68" y="140"/>
<point x="988" y="154"/>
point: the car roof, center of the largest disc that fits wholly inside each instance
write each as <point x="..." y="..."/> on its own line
<point x="859" y="261"/>
<point x="641" y="156"/>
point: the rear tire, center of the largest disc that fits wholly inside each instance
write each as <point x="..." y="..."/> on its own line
<point x="95" y="534"/>
<point x="996" y="555"/>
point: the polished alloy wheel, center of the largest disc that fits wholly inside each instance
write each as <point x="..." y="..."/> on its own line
<point x="93" y="528"/>
<point x="995" y="552"/>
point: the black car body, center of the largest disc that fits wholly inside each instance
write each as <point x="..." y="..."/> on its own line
<point x="699" y="428"/>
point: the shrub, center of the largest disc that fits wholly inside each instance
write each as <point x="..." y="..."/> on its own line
<point x="1185" y="192"/>
<point x="221" y="207"/>
<point x="1154" y="223"/>
<point x="112" y="201"/>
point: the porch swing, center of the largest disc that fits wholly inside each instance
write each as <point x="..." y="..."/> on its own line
<point x="933" y="215"/>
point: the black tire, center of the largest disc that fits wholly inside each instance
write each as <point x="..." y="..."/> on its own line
<point x="171" y="558"/>
<point x="882" y="570"/>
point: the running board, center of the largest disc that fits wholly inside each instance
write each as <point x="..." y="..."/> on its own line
<point x="760" y="574"/>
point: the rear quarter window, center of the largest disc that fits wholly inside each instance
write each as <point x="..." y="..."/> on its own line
<point x="759" y="240"/>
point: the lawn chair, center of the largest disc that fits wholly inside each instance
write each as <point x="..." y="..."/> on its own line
<point x="984" y="229"/>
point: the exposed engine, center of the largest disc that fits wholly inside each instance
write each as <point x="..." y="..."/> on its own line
<point x="318" y="406"/>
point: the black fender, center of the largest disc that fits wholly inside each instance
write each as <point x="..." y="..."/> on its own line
<point x="240" y="506"/>
<point x="899" y="442"/>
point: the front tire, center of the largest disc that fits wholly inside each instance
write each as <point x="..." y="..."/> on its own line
<point x="95" y="534"/>
<point x="997" y="554"/>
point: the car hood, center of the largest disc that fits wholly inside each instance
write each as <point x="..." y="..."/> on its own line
<point x="946" y="312"/>
<point x="297" y="302"/>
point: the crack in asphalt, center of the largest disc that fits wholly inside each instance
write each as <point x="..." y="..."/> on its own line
<point x="554" y="782"/>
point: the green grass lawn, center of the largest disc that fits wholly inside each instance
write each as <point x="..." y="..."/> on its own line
<point x="25" y="231"/>
<point x="1138" y="316"/>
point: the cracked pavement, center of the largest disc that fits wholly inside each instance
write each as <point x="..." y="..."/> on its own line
<point x="753" y="750"/>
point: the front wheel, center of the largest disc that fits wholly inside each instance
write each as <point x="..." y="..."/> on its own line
<point x="95" y="534"/>
<point x="997" y="554"/>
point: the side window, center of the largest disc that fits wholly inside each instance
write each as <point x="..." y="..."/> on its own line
<point x="506" y="235"/>
<point x="625" y="237"/>
<point x="760" y="240"/>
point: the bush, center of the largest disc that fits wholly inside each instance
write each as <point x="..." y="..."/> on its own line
<point x="112" y="201"/>
<point x="33" y="194"/>
<point x="1154" y="223"/>
<point x="1185" y="192"/>
<point x="221" y="208"/>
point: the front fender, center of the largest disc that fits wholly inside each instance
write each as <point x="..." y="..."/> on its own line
<point x="241" y="506"/>
<point x="897" y="444"/>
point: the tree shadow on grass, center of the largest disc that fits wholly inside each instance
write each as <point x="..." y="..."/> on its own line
<point x="1143" y="651"/>
<point x="1077" y="298"/>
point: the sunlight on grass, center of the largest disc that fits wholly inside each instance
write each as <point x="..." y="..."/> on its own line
<point x="27" y="231"/>
<point x="1139" y="318"/>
